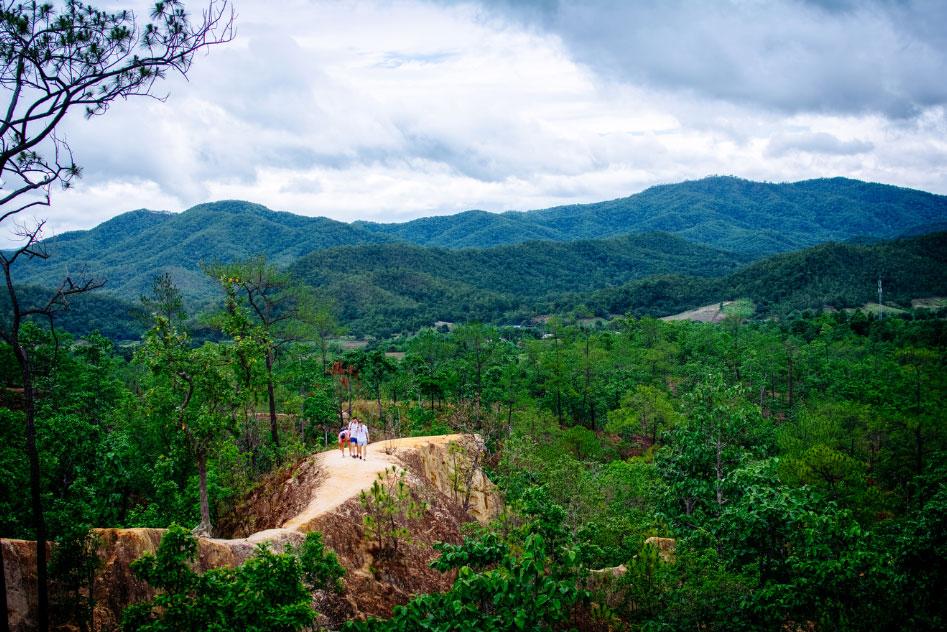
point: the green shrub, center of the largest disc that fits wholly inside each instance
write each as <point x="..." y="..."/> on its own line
<point x="265" y="594"/>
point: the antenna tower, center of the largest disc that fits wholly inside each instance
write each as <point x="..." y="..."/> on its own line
<point x="881" y="305"/>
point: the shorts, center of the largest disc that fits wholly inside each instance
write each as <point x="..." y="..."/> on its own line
<point x="354" y="440"/>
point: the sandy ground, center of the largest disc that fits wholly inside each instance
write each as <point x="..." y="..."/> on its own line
<point x="706" y="314"/>
<point x="341" y="478"/>
<point x="344" y="477"/>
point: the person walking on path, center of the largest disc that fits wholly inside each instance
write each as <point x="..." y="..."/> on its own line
<point x="344" y="440"/>
<point x="353" y="438"/>
<point x="362" y="433"/>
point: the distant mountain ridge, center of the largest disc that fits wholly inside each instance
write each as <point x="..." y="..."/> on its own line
<point x="128" y="250"/>
<point x="375" y="295"/>
<point x="828" y="275"/>
<point x="386" y="287"/>
<point x="723" y="212"/>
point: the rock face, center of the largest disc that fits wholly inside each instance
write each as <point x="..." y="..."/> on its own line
<point x="375" y="581"/>
<point x="448" y="468"/>
<point x="275" y="500"/>
<point x="19" y="563"/>
<point x="115" y="587"/>
<point x="665" y="547"/>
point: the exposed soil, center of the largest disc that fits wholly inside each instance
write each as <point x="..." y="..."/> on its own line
<point x="706" y="314"/>
<point x="317" y="493"/>
<point x="275" y="500"/>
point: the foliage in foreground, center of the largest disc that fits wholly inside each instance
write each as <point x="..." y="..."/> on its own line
<point x="531" y="582"/>
<point x="270" y="592"/>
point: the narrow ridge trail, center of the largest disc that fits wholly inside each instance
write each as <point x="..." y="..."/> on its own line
<point x="341" y="478"/>
<point x="344" y="477"/>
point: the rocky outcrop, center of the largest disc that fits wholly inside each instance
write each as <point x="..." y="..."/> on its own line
<point x="275" y="500"/>
<point x="448" y="467"/>
<point x="665" y="547"/>
<point x="374" y="583"/>
<point x="115" y="586"/>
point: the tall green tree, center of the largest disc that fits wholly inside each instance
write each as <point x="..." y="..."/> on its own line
<point x="275" y="302"/>
<point x="199" y="386"/>
<point x="54" y="61"/>
<point x="720" y="432"/>
<point x="270" y="592"/>
<point x="646" y="411"/>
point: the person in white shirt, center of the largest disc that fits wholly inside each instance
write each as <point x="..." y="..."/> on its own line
<point x="353" y="438"/>
<point x="362" y="434"/>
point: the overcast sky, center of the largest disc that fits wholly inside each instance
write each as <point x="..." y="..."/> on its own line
<point x="391" y="110"/>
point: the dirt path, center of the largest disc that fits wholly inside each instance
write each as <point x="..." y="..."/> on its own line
<point x="706" y="314"/>
<point x="344" y="477"/>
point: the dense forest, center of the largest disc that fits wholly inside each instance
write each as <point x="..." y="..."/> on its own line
<point x="727" y="213"/>
<point x="748" y="219"/>
<point x="797" y="466"/>
<point x="827" y="276"/>
<point x="385" y="289"/>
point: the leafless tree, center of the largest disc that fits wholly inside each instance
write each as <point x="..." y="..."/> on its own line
<point x="479" y="429"/>
<point x="55" y="60"/>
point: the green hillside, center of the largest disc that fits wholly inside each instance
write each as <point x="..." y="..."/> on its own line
<point x="129" y="250"/>
<point x="833" y="275"/>
<point x="390" y="287"/>
<point x="611" y="256"/>
<point x="95" y="311"/>
<point x="727" y="213"/>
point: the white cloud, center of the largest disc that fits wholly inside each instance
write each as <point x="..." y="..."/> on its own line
<point x="392" y="109"/>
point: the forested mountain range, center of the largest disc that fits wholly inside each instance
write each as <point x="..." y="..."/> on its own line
<point x="750" y="218"/>
<point x="754" y="218"/>
<point x="392" y="288"/>
<point x="396" y="277"/>
<point x="388" y="287"/>
<point x="128" y="250"/>
<point x="828" y="275"/>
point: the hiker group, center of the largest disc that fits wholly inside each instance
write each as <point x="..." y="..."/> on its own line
<point x="354" y="436"/>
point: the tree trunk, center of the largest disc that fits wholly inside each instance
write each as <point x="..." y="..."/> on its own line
<point x="789" y="378"/>
<point x="349" y="387"/>
<point x="39" y="521"/>
<point x="381" y="414"/>
<point x="4" y="616"/>
<point x="274" y="431"/>
<point x="719" y="468"/>
<point x="918" y="450"/>
<point x="205" y="528"/>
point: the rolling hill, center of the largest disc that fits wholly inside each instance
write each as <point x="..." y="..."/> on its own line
<point x="394" y="287"/>
<point x="612" y="256"/>
<point x="750" y="218"/>
<point x="828" y="275"/>
<point x="726" y="213"/>
<point x="389" y="288"/>
<point x="130" y="249"/>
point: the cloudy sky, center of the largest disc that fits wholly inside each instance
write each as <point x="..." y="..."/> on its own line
<point x="388" y="110"/>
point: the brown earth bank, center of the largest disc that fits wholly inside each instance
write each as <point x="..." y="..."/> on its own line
<point x="319" y="493"/>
